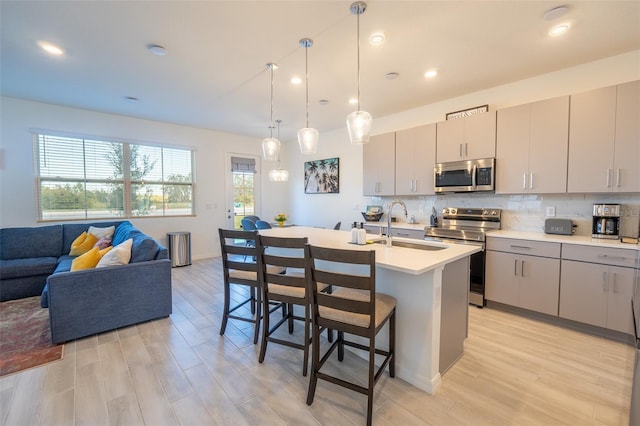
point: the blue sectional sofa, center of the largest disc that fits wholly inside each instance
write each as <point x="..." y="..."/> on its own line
<point x="35" y="261"/>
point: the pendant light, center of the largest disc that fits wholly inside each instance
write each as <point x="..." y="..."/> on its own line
<point x="359" y="122"/>
<point x="307" y="136"/>
<point x="278" y="174"/>
<point x="271" y="145"/>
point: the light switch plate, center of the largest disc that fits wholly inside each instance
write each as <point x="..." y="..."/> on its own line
<point x="551" y="211"/>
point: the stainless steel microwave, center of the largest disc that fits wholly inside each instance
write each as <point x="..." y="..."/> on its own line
<point x="465" y="176"/>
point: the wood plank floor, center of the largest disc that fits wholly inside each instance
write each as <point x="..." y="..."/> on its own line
<point x="179" y="371"/>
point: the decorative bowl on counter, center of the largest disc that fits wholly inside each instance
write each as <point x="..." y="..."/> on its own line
<point x="371" y="217"/>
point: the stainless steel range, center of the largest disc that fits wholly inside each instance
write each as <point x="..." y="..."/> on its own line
<point x="462" y="225"/>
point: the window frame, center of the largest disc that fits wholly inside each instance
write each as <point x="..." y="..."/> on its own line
<point x="84" y="212"/>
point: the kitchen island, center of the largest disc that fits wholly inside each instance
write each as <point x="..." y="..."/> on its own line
<point x="431" y="285"/>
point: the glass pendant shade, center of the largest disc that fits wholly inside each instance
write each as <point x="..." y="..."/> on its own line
<point x="359" y="122"/>
<point x="278" y="175"/>
<point x="359" y="127"/>
<point x="270" y="149"/>
<point x="308" y="140"/>
<point x="271" y="145"/>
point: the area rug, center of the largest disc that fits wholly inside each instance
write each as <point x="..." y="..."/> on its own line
<point x="25" y="338"/>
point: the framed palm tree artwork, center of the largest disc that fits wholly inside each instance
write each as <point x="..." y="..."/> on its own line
<point x="322" y="176"/>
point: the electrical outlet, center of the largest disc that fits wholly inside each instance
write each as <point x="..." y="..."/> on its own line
<point x="551" y="211"/>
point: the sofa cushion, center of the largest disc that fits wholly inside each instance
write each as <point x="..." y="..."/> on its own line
<point x="18" y="268"/>
<point x="24" y="243"/>
<point x="122" y="233"/>
<point x="89" y="260"/>
<point x="119" y="255"/>
<point x="64" y="264"/>
<point x="83" y="244"/>
<point x="102" y="232"/>
<point x="70" y="232"/>
<point x="144" y="248"/>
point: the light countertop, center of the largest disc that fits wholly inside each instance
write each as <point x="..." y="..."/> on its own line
<point x="406" y="260"/>
<point x="565" y="239"/>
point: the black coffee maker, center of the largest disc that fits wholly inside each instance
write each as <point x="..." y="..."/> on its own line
<point x="606" y="221"/>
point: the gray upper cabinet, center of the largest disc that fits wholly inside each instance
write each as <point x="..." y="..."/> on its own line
<point x="604" y="140"/>
<point x="378" y="165"/>
<point x="532" y="147"/>
<point x="415" y="157"/>
<point x="467" y="138"/>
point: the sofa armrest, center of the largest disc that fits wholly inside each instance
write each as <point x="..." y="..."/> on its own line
<point x="87" y="302"/>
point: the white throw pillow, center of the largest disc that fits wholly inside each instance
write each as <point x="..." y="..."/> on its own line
<point x="102" y="232"/>
<point x="119" y="255"/>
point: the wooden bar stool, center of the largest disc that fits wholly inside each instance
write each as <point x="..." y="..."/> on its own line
<point x="242" y="272"/>
<point x="353" y="307"/>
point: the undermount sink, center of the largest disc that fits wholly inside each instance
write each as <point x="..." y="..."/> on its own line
<point x="406" y="244"/>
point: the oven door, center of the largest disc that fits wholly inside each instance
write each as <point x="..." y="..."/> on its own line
<point x="476" y="269"/>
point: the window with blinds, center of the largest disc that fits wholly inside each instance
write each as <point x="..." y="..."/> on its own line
<point x="80" y="178"/>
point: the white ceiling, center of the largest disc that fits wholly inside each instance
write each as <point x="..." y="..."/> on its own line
<point x="214" y="74"/>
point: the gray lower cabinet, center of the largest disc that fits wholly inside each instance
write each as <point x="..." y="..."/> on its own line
<point x="523" y="273"/>
<point x="596" y="286"/>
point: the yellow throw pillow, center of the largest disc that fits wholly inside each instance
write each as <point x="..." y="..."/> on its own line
<point x="83" y="244"/>
<point x="89" y="260"/>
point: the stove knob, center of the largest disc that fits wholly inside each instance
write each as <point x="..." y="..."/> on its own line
<point x="485" y="212"/>
<point x="445" y="211"/>
<point x="494" y="213"/>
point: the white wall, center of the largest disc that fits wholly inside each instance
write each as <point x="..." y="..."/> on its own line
<point x="520" y="213"/>
<point x="17" y="191"/>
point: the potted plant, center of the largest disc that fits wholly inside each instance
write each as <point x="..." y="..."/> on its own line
<point x="281" y="218"/>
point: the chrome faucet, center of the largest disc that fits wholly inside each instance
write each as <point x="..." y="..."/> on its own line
<point x="391" y="204"/>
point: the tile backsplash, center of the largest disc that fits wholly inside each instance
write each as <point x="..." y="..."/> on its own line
<point x="527" y="212"/>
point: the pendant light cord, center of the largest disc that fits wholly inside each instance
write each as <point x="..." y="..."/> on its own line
<point x="358" y="49"/>
<point x="306" y="66"/>
<point x="271" y="118"/>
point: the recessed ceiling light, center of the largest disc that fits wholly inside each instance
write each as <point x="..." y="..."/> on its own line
<point x="431" y="73"/>
<point x="353" y="101"/>
<point x="391" y="75"/>
<point x="377" y="38"/>
<point x="50" y="48"/>
<point x="296" y="80"/>
<point x="323" y="102"/>
<point x="559" y="30"/>
<point x="555" y="13"/>
<point x="157" y="50"/>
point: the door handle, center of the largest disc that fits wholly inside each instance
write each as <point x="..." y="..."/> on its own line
<point x="618" y="178"/>
<point x="522" y="268"/>
<point x="524" y="181"/>
<point x="530" y="180"/>
<point x="605" y="281"/>
<point x="515" y="267"/>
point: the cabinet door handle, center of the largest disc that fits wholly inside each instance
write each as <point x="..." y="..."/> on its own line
<point x="530" y="180"/>
<point x="515" y="267"/>
<point x="524" y="181"/>
<point x="609" y="257"/>
<point x="605" y="282"/>
<point x="402" y="234"/>
<point x="522" y="268"/>
<point x="618" y="178"/>
<point x="460" y="150"/>
<point x="466" y="149"/>
<point x="608" y="178"/>
<point x="520" y="247"/>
